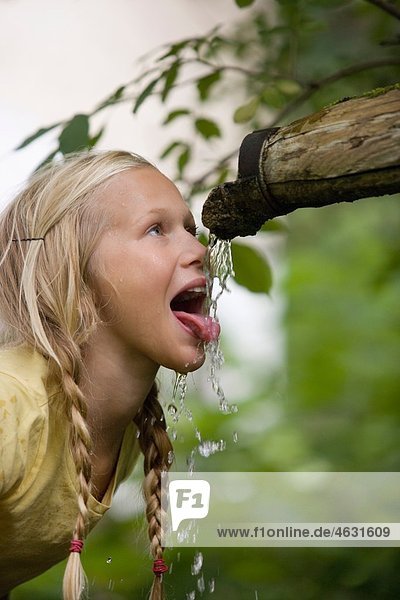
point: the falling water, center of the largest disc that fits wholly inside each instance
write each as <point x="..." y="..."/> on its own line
<point x="209" y="447"/>
<point x="219" y="266"/>
<point x="218" y="269"/>
<point x="178" y="407"/>
<point x="200" y="584"/>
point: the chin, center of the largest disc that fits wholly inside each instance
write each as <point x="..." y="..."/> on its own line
<point x="190" y="363"/>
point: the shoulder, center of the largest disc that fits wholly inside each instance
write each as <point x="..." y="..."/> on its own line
<point x="23" y="416"/>
<point x="27" y="368"/>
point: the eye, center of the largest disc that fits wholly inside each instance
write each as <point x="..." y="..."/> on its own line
<point x="155" y="229"/>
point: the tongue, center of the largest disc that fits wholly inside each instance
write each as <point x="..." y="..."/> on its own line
<point x="205" y="328"/>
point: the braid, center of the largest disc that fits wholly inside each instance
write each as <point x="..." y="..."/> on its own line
<point x="75" y="581"/>
<point x="156" y="446"/>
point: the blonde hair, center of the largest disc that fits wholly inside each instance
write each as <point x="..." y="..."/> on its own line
<point x="47" y="236"/>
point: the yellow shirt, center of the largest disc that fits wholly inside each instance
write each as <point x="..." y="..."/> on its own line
<point x="38" y="487"/>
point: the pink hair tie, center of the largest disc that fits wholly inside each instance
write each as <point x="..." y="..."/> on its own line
<point x="76" y="546"/>
<point x="159" y="566"/>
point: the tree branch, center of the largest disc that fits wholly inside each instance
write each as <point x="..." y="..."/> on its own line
<point x="387" y="7"/>
<point x="348" y="151"/>
<point x="310" y="89"/>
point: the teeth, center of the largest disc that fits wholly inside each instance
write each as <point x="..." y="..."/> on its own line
<point x="189" y="294"/>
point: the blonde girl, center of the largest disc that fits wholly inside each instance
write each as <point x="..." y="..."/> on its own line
<point x="101" y="283"/>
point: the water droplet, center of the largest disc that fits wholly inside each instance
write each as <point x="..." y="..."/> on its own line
<point x="200" y="584"/>
<point x="226" y="408"/>
<point x="235" y="436"/>
<point x="109" y="560"/>
<point x="211" y="585"/>
<point x="172" y="410"/>
<point x="184" y="534"/>
<point x="174" y="434"/>
<point x="171" y="457"/>
<point x="138" y="434"/>
<point x="178" y="556"/>
<point x="191" y="595"/>
<point x="197" y="434"/>
<point x="208" y="447"/>
<point x="190" y="461"/>
<point x="197" y="563"/>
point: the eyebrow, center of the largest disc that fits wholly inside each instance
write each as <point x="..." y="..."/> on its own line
<point x="165" y="212"/>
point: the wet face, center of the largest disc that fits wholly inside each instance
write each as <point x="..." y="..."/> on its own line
<point x="148" y="273"/>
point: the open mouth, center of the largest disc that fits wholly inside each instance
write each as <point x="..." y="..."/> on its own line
<point x="191" y="301"/>
<point x="189" y="308"/>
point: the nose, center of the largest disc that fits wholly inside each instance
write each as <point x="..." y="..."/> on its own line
<point x="194" y="251"/>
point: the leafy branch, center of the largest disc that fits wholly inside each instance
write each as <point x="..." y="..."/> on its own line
<point x="309" y="89"/>
<point x="387" y="7"/>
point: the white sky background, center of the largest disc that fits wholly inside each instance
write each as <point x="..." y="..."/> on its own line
<point x="60" y="57"/>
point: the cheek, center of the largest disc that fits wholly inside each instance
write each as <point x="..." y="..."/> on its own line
<point x="129" y="283"/>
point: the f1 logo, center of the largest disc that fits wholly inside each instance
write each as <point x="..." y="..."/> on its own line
<point x="188" y="500"/>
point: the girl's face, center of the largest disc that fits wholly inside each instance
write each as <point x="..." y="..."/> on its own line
<point x="148" y="273"/>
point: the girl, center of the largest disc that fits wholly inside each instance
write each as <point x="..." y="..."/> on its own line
<point x="101" y="283"/>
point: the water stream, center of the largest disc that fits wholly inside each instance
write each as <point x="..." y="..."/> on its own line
<point x="218" y="270"/>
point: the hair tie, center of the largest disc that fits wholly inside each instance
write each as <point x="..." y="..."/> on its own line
<point x="76" y="546"/>
<point x="159" y="566"/>
<point x="27" y="239"/>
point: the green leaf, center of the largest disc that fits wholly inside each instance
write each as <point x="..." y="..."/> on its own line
<point x="180" y="112"/>
<point x="203" y="239"/>
<point x="243" y="3"/>
<point x="170" y="77"/>
<point x="170" y="148"/>
<point x="289" y="87"/>
<point x="183" y="160"/>
<point x="223" y="176"/>
<point x="247" y="111"/>
<point x="274" y="226"/>
<point x="75" y="135"/>
<point x="48" y="159"/>
<point x="205" y="84"/>
<point x="251" y="269"/>
<point x="174" y="50"/>
<point x="207" y="128"/>
<point x="273" y="97"/>
<point x="93" y="140"/>
<point x="117" y="95"/>
<point x="143" y="95"/>
<point x="36" y="135"/>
